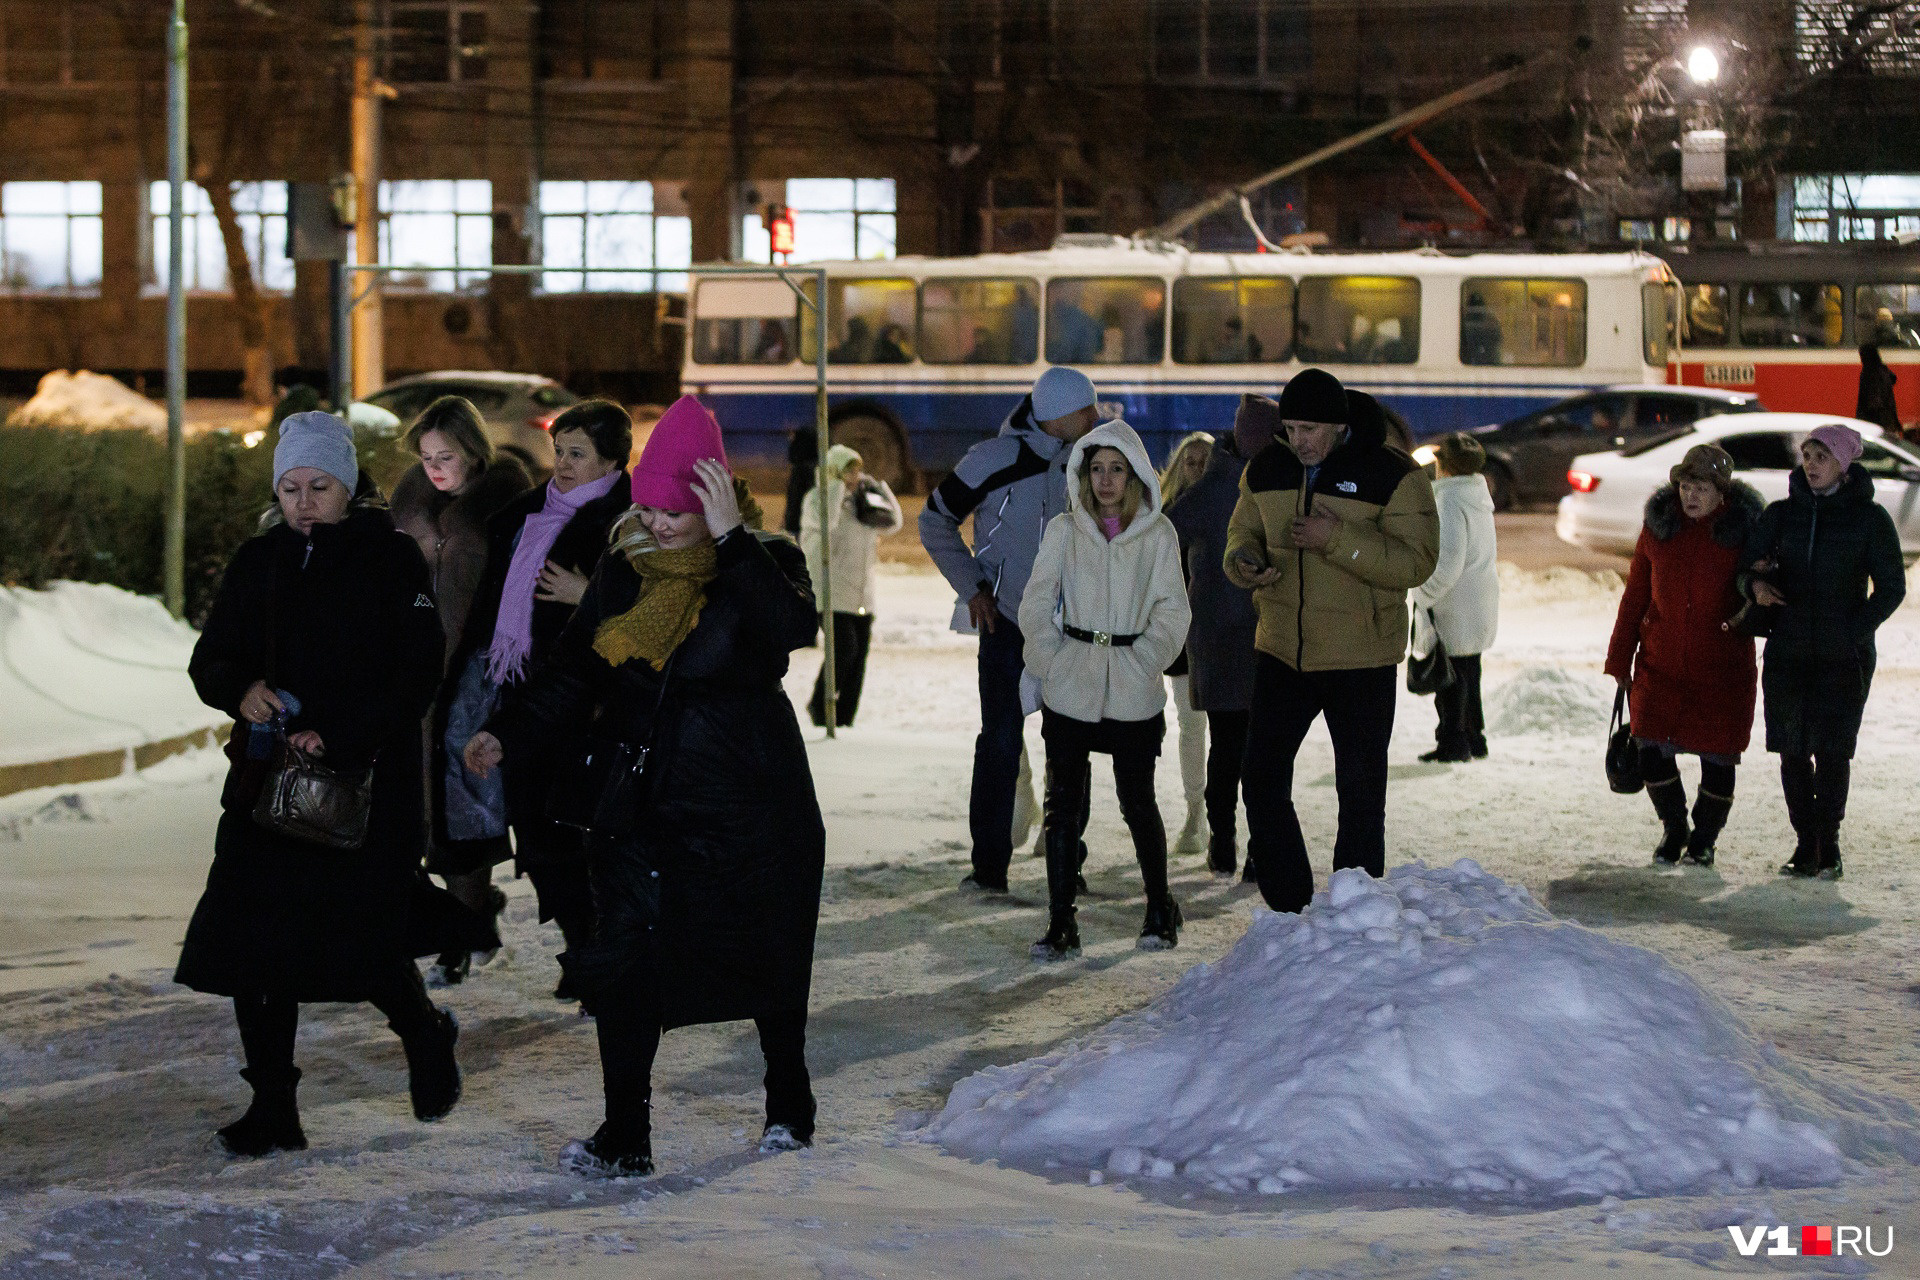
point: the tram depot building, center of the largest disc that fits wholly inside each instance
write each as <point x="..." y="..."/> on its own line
<point x="650" y="134"/>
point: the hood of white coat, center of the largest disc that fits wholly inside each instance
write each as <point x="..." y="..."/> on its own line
<point x="1470" y="492"/>
<point x="1114" y="435"/>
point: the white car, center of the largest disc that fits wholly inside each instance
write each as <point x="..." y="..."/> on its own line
<point x="1610" y="490"/>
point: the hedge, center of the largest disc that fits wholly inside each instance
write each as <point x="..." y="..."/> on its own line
<point x="88" y="505"/>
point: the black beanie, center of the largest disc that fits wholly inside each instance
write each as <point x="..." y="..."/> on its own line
<point x="1313" y="395"/>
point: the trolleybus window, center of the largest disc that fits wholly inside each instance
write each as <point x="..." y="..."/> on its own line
<point x="1888" y="314"/>
<point x="1359" y="320"/>
<point x="979" y="321"/>
<point x="1232" y="321"/>
<point x="1114" y="321"/>
<point x="1656" y="322"/>
<point x="868" y="322"/>
<point x="762" y="341"/>
<point x="1523" y="322"/>
<point x="1707" y="306"/>
<point x="1790" y="315"/>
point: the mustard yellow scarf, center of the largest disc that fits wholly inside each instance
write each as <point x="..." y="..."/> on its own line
<point x="673" y="587"/>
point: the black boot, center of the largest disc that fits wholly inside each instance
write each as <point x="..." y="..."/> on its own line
<point x="1063" y="879"/>
<point x="1670" y="802"/>
<point x="1709" y="817"/>
<point x="614" y="1151"/>
<point x="433" y="1077"/>
<point x="1161" y="932"/>
<point x="1223" y="855"/>
<point x="1063" y="937"/>
<point x="272" y="1122"/>
<point x="1796" y="786"/>
<point x="1827" y="845"/>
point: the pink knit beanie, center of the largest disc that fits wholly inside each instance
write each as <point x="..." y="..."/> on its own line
<point x="1843" y="442"/>
<point x="664" y="476"/>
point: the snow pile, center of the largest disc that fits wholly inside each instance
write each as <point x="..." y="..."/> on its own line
<point x="87" y="401"/>
<point x="1549" y="700"/>
<point x="87" y="668"/>
<point x="1436" y="1029"/>
<point x="1557" y="584"/>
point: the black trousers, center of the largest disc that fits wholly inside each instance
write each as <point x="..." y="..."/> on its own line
<point x="996" y="752"/>
<point x="268" y="1023"/>
<point x="1069" y="789"/>
<point x="852" y="640"/>
<point x="630" y="1037"/>
<point x="1226" y="754"/>
<point x="1359" y="706"/>
<point x="1463" y="727"/>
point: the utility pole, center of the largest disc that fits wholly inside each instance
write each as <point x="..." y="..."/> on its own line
<point x="369" y="333"/>
<point x="175" y="563"/>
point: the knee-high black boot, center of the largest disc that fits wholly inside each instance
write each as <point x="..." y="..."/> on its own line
<point x="1710" y="810"/>
<point x="1063" y="874"/>
<point x="272" y="1120"/>
<point x="1796" y="785"/>
<point x="1669" y="798"/>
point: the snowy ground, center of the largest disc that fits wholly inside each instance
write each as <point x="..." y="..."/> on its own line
<point x="111" y="1079"/>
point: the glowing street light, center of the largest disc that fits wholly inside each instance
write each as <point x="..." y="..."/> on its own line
<point x="1703" y="65"/>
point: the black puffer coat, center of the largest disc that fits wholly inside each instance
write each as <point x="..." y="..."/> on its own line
<point x="1220" y="642"/>
<point x="708" y="913"/>
<point x="1820" y="657"/>
<point x="579" y="547"/>
<point x="344" y="621"/>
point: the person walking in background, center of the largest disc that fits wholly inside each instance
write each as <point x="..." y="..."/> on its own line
<point x="707" y="851"/>
<point x="1875" y="403"/>
<point x="323" y="634"/>
<point x="541" y="551"/>
<point x="1185" y="466"/>
<point x="1220" y="641"/>
<point x="803" y="465"/>
<point x="443" y="503"/>
<point x="860" y="511"/>
<point x="1690" y="674"/>
<point x="1104" y="614"/>
<point x="1012" y="485"/>
<point x="1330" y="533"/>
<point x="1459" y="606"/>
<point x="1826" y="559"/>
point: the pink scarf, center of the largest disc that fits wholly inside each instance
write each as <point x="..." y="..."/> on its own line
<point x="513" y="627"/>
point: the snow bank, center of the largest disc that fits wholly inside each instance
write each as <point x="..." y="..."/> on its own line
<point x="87" y="668"/>
<point x="88" y="401"/>
<point x="1549" y="700"/>
<point x="1557" y="584"/>
<point x="1436" y="1029"/>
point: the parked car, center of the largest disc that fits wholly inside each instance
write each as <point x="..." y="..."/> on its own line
<point x="518" y="407"/>
<point x="1610" y="490"/>
<point x="1527" y="458"/>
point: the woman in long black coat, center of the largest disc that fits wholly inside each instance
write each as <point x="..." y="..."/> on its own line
<point x="1220" y="643"/>
<point x="541" y="551"/>
<point x="331" y="606"/>
<point x="706" y="867"/>
<point x="1813" y="556"/>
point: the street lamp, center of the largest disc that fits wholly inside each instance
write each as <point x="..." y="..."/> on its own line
<point x="1703" y="65"/>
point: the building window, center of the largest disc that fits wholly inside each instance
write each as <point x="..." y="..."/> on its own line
<point x="589" y="231"/>
<point x="834" y="220"/>
<point x="1860" y="206"/>
<point x="50" y="235"/>
<point x="261" y="208"/>
<point x="1022" y="214"/>
<point x="1650" y="32"/>
<point x="1233" y="40"/>
<point x="1874" y="38"/>
<point x="435" y="41"/>
<point x="54" y="44"/>
<point x="1536" y="323"/>
<point x="436" y="224"/>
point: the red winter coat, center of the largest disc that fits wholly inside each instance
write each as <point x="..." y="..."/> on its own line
<point x="1693" y="682"/>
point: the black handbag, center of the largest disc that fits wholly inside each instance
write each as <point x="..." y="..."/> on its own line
<point x="306" y="800"/>
<point x="1432" y="673"/>
<point x="1623" y="753"/>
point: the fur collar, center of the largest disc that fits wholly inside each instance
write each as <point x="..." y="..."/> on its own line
<point x="417" y="503"/>
<point x="1741" y="507"/>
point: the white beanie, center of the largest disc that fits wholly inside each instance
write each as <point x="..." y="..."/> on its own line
<point x="1059" y="391"/>
<point x="839" y="458"/>
<point x="319" y="440"/>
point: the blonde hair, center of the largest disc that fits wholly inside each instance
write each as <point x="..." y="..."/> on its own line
<point x="1131" y="501"/>
<point x="1173" y="480"/>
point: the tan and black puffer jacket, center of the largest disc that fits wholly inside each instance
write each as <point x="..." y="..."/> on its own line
<point x="1344" y="607"/>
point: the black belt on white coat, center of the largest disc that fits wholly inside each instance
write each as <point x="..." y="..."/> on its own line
<point x="1102" y="638"/>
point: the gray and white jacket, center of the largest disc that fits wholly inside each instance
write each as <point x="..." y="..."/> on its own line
<point x="1011" y="484"/>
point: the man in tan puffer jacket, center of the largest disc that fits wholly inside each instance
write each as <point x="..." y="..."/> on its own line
<point x="1332" y="529"/>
